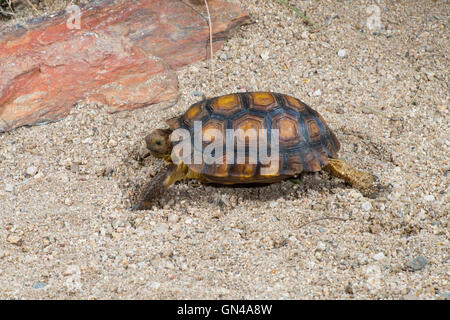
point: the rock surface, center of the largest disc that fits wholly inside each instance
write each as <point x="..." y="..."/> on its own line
<point x="124" y="54"/>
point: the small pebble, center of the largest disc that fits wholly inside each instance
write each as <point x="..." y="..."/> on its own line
<point x="445" y="295"/>
<point x="155" y="285"/>
<point x="143" y="152"/>
<point x="87" y="141"/>
<point x="162" y="228"/>
<point x="68" y="202"/>
<point x="112" y="143"/>
<point x="107" y="172"/>
<point x="15" y="239"/>
<point x="442" y="108"/>
<point x="321" y="246"/>
<point x="223" y="56"/>
<point x="421" y="214"/>
<point x="74" y="167"/>
<point x="317" y="93"/>
<point x="196" y="93"/>
<point x="39" y="285"/>
<point x="31" y="171"/>
<point x="167" y="252"/>
<point x="378" y="256"/>
<point x="9" y="187"/>
<point x="349" y="289"/>
<point x="118" y="224"/>
<point x="265" y="55"/>
<point x="342" y="53"/>
<point x="429" y="198"/>
<point x="173" y="218"/>
<point x="72" y="270"/>
<point x="39" y="175"/>
<point x="366" y="206"/>
<point x="416" y="264"/>
<point x="362" y="259"/>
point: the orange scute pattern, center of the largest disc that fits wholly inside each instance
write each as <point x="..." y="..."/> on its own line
<point x="226" y="104"/>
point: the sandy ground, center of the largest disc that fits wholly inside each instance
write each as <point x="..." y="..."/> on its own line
<point x="66" y="230"/>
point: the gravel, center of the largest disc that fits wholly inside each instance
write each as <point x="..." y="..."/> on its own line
<point x="416" y="264"/>
<point x="31" y="171"/>
<point x="39" y="285"/>
<point x="173" y="218"/>
<point x="379" y="256"/>
<point x="387" y="102"/>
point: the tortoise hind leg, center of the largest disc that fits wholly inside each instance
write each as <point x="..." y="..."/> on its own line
<point x="360" y="180"/>
<point x="159" y="184"/>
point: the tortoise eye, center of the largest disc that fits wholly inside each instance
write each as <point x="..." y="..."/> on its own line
<point x="158" y="142"/>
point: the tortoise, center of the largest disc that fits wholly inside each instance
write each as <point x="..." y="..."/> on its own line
<point x="305" y="144"/>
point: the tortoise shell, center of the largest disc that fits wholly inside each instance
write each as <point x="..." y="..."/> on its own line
<point x="305" y="140"/>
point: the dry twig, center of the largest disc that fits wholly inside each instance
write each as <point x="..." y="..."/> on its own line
<point x="298" y="12"/>
<point x="7" y="13"/>
<point x="210" y="42"/>
<point x="32" y="5"/>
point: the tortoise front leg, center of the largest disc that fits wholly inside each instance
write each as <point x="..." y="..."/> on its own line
<point x="159" y="184"/>
<point x="360" y="180"/>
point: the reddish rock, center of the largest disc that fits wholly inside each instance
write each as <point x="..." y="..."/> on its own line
<point x="124" y="55"/>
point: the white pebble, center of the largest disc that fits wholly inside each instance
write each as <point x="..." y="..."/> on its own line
<point x="155" y="285"/>
<point x="9" y="187"/>
<point x="39" y="175"/>
<point x="429" y="198"/>
<point x="342" y="53"/>
<point x="173" y="218"/>
<point x="366" y="206"/>
<point x="321" y="246"/>
<point x="378" y="256"/>
<point x="31" y="171"/>
<point x="422" y="215"/>
<point x="362" y="259"/>
<point x="71" y="270"/>
<point x="162" y="228"/>
<point x="265" y="55"/>
<point x="317" y="93"/>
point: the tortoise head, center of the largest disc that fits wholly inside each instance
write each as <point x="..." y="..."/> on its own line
<point x="159" y="144"/>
